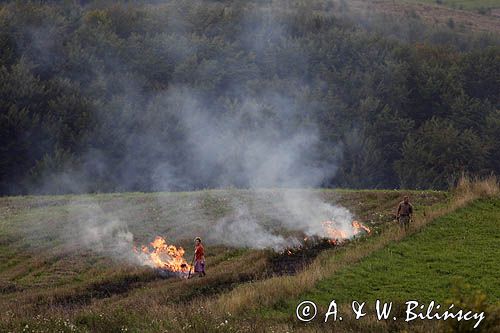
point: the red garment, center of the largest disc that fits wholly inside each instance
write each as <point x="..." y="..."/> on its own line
<point x="199" y="253"/>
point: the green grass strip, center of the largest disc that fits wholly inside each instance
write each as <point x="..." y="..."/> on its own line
<point x="463" y="246"/>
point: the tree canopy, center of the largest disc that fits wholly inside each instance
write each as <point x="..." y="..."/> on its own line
<point x="165" y="95"/>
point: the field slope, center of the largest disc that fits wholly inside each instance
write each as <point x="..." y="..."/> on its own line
<point x="48" y="284"/>
<point x="462" y="245"/>
<point x="48" y="272"/>
<point x="456" y="254"/>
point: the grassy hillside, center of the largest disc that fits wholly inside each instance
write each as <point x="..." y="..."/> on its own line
<point x="459" y="250"/>
<point x="258" y="300"/>
<point x="441" y="253"/>
<point x="48" y="284"/>
<point x="46" y="273"/>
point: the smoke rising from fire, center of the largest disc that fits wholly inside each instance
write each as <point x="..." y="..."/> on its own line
<point x="296" y="212"/>
<point x="252" y="137"/>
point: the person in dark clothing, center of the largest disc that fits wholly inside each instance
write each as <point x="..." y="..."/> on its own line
<point x="404" y="213"/>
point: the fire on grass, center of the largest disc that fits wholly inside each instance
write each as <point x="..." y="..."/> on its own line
<point x="167" y="259"/>
<point x="337" y="235"/>
<point x="333" y="233"/>
<point x="330" y="234"/>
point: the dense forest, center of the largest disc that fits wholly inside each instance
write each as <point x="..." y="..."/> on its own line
<point x="178" y="95"/>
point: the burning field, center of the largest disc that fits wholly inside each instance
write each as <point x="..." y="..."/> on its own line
<point x="108" y="252"/>
<point x="169" y="261"/>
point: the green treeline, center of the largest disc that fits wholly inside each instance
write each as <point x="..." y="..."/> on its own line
<point x="86" y="93"/>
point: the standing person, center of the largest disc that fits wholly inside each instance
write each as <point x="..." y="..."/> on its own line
<point x="404" y="213"/>
<point x="199" y="257"/>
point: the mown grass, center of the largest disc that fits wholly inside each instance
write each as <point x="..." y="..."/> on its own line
<point x="456" y="257"/>
<point x="463" y="245"/>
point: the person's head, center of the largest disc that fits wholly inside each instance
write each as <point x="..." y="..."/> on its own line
<point x="197" y="241"/>
<point x="406" y="199"/>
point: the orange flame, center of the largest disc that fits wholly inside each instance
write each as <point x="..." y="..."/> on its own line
<point x="335" y="233"/>
<point x="360" y="226"/>
<point x="337" y="236"/>
<point x="164" y="256"/>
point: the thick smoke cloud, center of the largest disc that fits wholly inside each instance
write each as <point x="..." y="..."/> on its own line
<point x="251" y="137"/>
<point x="241" y="229"/>
<point x="243" y="149"/>
<point x="185" y="138"/>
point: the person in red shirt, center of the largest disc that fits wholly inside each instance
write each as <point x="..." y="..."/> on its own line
<point x="199" y="257"/>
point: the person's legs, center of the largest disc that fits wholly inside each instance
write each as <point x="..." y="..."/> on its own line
<point x="404" y="222"/>
<point x="199" y="267"/>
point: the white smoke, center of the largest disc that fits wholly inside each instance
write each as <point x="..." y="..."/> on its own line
<point x="249" y="147"/>
<point x="259" y="138"/>
<point x="90" y="227"/>
<point x="309" y="211"/>
<point x="241" y="229"/>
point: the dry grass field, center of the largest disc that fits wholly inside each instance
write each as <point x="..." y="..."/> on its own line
<point x="48" y="284"/>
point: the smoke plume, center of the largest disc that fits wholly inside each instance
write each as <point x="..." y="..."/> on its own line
<point x="252" y="137"/>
